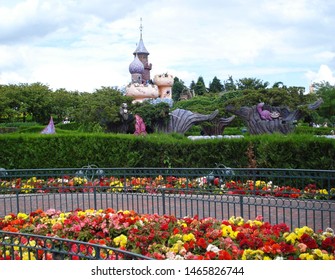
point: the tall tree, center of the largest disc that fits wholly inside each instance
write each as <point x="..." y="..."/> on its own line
<point x="327" y="92"/>
<point x="215" y="86"/>
<point x="192" y="85"/>
<point x="200" y="88"/>
<point x="177" y="88"/>
<point x="229" y="84"/>
<point x="251" y="83"/>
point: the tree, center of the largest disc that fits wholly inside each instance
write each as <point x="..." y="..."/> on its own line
<point x="215" y="86"/>
<point x="200" y="88"/>
<point x="229" y="84"/>
<point x="177" y="88"/>
<point x="251" y="83"/>
<point x="327" y="92"/>
<point x="192" y="85"/>
<point x="100" y="108"/>
<point x="64" y="103"/>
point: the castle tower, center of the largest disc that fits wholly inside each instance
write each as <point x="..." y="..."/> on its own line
<point x="136" y="69"/>
<point x="142" y="54"/>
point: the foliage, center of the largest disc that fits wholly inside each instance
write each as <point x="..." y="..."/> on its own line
<point x="154" y="116"/>
<point x="101" y="108"/>
<point x="163" y="150"/>
<point x="200" y="88"/>
<point x="166" y="237"/>
<point x="251" y="83"/>
<point x="215" y="86"/>
<point x="177" y="88"/>
<point x="327" y="109"/>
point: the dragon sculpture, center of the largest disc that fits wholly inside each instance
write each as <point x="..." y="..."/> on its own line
<point x="263" y="118"/>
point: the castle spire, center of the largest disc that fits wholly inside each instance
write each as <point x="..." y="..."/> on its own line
<point x="140" y="47"/>
<point x="141" y="28"/>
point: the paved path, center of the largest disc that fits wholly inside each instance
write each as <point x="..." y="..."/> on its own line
<point x="295" y="213"/>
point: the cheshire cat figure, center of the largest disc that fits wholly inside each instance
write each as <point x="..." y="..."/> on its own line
<point x="275" y="119"/>
<point x="264" y="114"/>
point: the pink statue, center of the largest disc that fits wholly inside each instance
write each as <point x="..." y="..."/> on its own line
<point x="50" y="128"/>
<point x="266" y="114"/>
<point x="139" y="126"/>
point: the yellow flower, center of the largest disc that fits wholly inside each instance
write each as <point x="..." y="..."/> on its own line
<point x="121" y="240"/>
<point x="301" y="231"/>
<point x="8" y="218"/>
<point x="306" y="256"/>
<point x="291" y="237"/>
<point x="267" y="258"/>
<point x="28" y="256"/>
<point x="22" y="216"/>
<point x="188" y="237"/>
<point x="228" y="231"/>
<point x="177" y="247"/>
<point x="323" y="191"/>
<point x="81" y="213"/>
<point x="255" y="223"/>
<point x="249" y="254"/>
<point x="259" y="183"/>
<point x="236" y="220"/>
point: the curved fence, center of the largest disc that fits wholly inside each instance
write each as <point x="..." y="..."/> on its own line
<point x="294" y="197"/>
<point x="23" y="246"/>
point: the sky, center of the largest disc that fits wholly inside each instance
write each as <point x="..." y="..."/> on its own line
<point x="83" y="45"/>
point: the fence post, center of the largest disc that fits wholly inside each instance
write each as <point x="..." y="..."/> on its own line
<point x="241" y="206"/>
<point x="17" y="200"/>
<point x="163" y="201"/>
<point x="95" y="197"/>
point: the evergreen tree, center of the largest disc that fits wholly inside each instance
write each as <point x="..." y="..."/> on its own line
<point x="200" y="88"/>
<point x="229" y="84"/>
<point x="177" y="88"/>
<point x="192" y="85"/>
<point x="215" y="86"/>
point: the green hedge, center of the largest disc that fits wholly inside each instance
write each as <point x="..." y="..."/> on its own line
<point x="161" y="150"/>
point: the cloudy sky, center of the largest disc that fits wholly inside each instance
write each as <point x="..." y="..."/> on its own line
<point x="84" y="44"/>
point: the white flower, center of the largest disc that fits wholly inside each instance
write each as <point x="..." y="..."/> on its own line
<point x="278" y="258"/>
<point x="179" y="257"/>
<point x="170" y="255"/>
<point x="212" y="248"/>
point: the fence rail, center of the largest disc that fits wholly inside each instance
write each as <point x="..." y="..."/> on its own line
<point x="23" y="246"/>
<point x="294" y="197"/>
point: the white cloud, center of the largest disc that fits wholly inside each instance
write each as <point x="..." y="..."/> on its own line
<point x="83" y="44"/>
<point x="324" y="74"/>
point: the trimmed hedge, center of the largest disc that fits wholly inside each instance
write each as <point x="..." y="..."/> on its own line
<point x="162" y="150"/>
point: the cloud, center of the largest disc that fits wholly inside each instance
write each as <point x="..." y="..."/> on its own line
<point x="84" y="44"/>
<point x="324" y="74"/>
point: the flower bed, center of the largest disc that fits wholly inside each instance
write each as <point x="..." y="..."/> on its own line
<point x="166" y="237"/>
<point x="169" y="183"/>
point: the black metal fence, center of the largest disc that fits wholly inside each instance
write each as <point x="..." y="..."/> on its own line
<point x="294" y="197"/>
<point x="23" y="246"/>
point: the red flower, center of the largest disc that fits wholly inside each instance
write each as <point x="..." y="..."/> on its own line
<point x="309" y="241"/>
<point x="210" y="255"/>
<point x="201" y="242"/>
<point x="224" y="255"/>
<point x="328" y="244"/>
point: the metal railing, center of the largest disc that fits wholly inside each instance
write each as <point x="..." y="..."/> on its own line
<point x="24" y="246"/>
<point x="294" y="197"/>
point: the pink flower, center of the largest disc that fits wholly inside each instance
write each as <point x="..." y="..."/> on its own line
<point x="302" y="247"/>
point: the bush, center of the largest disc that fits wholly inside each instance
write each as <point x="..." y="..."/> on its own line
<point x="70" y="149"/>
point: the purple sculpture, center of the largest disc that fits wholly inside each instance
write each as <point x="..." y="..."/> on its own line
<point x="50" y="128"/>
<point x="264" y="114"/>
<point x="140" y="128"/>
